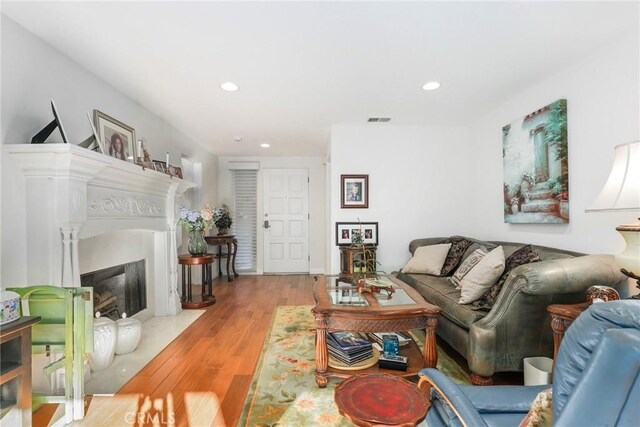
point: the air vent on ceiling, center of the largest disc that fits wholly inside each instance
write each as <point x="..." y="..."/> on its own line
<point x="379" y="119"/>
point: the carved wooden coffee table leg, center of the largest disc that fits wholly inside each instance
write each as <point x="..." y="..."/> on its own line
<point x="322" y="357"/>
<point x="430" y="346"/>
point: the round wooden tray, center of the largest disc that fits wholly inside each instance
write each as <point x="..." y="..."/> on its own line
<point x="364" y="364"/>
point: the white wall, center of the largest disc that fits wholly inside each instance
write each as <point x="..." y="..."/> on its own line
<point x="317" y="189"/>
<point x="427" y="182"/>
<point x="32" y="74"/>
<point x="603" y="103"/>
<point x="418" y="185"/>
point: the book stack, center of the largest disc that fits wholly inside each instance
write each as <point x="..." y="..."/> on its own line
<point x="349" y="347"/>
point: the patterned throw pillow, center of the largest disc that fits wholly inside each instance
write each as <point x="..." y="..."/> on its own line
<point x="522" y="256"/>
<point x="482" y="276"/>
<point x="458" y="246"/>
<point x="466" y="266"/>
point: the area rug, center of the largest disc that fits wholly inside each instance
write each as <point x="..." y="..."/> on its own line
<point x="284" y="391"/>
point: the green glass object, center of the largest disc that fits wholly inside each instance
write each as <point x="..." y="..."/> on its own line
<point x="197" y="244"/>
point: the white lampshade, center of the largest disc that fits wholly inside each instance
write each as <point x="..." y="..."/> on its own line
<point x="622" y="190"/>
<point x="622" y="193"/>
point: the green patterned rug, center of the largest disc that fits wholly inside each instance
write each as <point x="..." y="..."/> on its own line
<point x="284" y="391"/>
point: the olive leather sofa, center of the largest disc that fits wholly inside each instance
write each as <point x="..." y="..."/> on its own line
<point x="518" y="324"/>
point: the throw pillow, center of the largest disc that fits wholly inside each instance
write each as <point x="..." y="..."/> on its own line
<point x="482" y="276"/>
<point x="427" y="259"/>
<point x="466" y="266"/>
<point x="458" y="246"/>
<point x="541" y="413"/>
<point x="522" y="256"/>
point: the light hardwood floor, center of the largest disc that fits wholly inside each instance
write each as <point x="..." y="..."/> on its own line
<point x="213" y="361"/>
<point x="219" y="352"/>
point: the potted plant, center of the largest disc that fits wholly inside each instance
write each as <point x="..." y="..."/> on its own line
<point x="223" y="220"/>
<point x="365" y="265"/>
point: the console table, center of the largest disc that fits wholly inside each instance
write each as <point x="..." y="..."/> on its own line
<point x="206" y="297"/>
<point x="230" y="241"/>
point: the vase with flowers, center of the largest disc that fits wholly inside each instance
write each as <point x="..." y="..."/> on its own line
<point x="196" y="223"/>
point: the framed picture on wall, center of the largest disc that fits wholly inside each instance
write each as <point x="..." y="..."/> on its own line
<point x="117" y="139"/>
<point x="354" y="192"/>
<point x="346" y="230"/>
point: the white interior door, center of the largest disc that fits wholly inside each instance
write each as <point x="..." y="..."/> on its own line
<point x="286" y="220"/>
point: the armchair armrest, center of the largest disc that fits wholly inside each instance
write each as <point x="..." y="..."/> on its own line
<point x="453" y="397"/>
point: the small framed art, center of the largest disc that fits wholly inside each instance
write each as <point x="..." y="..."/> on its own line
<point x="175" y="171"/>
<point x="354" y="192"/>
<point x="118" y="139"/>
<point x="346" y="230"/>
<point x="160" y="166"/>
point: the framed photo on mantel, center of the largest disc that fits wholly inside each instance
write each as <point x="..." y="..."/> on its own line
<point x="118" y="139"/>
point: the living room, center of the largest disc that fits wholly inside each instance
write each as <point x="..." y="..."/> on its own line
<point x="435" y="169"/>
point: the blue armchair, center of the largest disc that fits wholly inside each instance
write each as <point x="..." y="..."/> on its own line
<point x="596" y="380"/>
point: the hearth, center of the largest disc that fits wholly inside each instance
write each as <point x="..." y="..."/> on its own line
<point x="118" y="289"/>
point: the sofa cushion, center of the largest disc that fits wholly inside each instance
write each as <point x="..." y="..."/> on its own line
<point x="454" y="257"/>
<point x="467" y="265"/>
<point x="482" y="276"/>
<point x="428" y="259"/>
<point x="524" y="255"/>
<point x="438" y="291"/>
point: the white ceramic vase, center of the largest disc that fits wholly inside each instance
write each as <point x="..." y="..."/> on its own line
<point x="104" y="342"/>
<point x="129" y="334"/>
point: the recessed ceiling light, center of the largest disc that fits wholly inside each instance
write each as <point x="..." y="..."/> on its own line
<point x="431" y="86"/>
<point x="265" y="145"/>
<point x="229" y="86"/>
<point x="237" y="138"/>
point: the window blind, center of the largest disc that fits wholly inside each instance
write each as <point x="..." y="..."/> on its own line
<point x="245" y="209"/>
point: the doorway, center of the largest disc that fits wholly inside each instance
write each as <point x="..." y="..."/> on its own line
<point x="286" y="220"/>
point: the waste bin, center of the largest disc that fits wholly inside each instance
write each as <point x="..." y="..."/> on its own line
<point x="537" y="370"/>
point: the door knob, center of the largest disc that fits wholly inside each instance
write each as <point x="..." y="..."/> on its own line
<point x="266" y="223"/>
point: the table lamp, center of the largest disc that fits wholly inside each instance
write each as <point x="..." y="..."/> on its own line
<point x="621" y="192"/>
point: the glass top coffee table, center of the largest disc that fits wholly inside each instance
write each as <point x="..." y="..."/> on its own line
<point x="340" y="307"/>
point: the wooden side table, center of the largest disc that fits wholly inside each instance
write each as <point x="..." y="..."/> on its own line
<point x="15" y="369"/>
<point x="351" y="259"/>
<point x="380" y="400"/>
<point x="230" y="241"/>
<point x="562" y="316"/>
<point x="206" y="297"/>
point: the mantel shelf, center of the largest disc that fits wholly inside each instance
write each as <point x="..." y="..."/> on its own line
<point x="60" y="160"/>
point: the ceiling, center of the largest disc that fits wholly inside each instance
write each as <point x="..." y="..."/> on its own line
<point x="304" y="66"/>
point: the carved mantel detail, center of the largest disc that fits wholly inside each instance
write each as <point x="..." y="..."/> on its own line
<point x="126" y="205"/>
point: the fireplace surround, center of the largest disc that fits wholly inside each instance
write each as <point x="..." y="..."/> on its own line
<point x="77" y="199"/>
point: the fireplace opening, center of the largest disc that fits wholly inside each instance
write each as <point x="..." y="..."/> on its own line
<point x="118" y="289"/>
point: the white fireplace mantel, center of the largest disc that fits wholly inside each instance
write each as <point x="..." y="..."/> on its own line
<point x="73" y="193"/>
